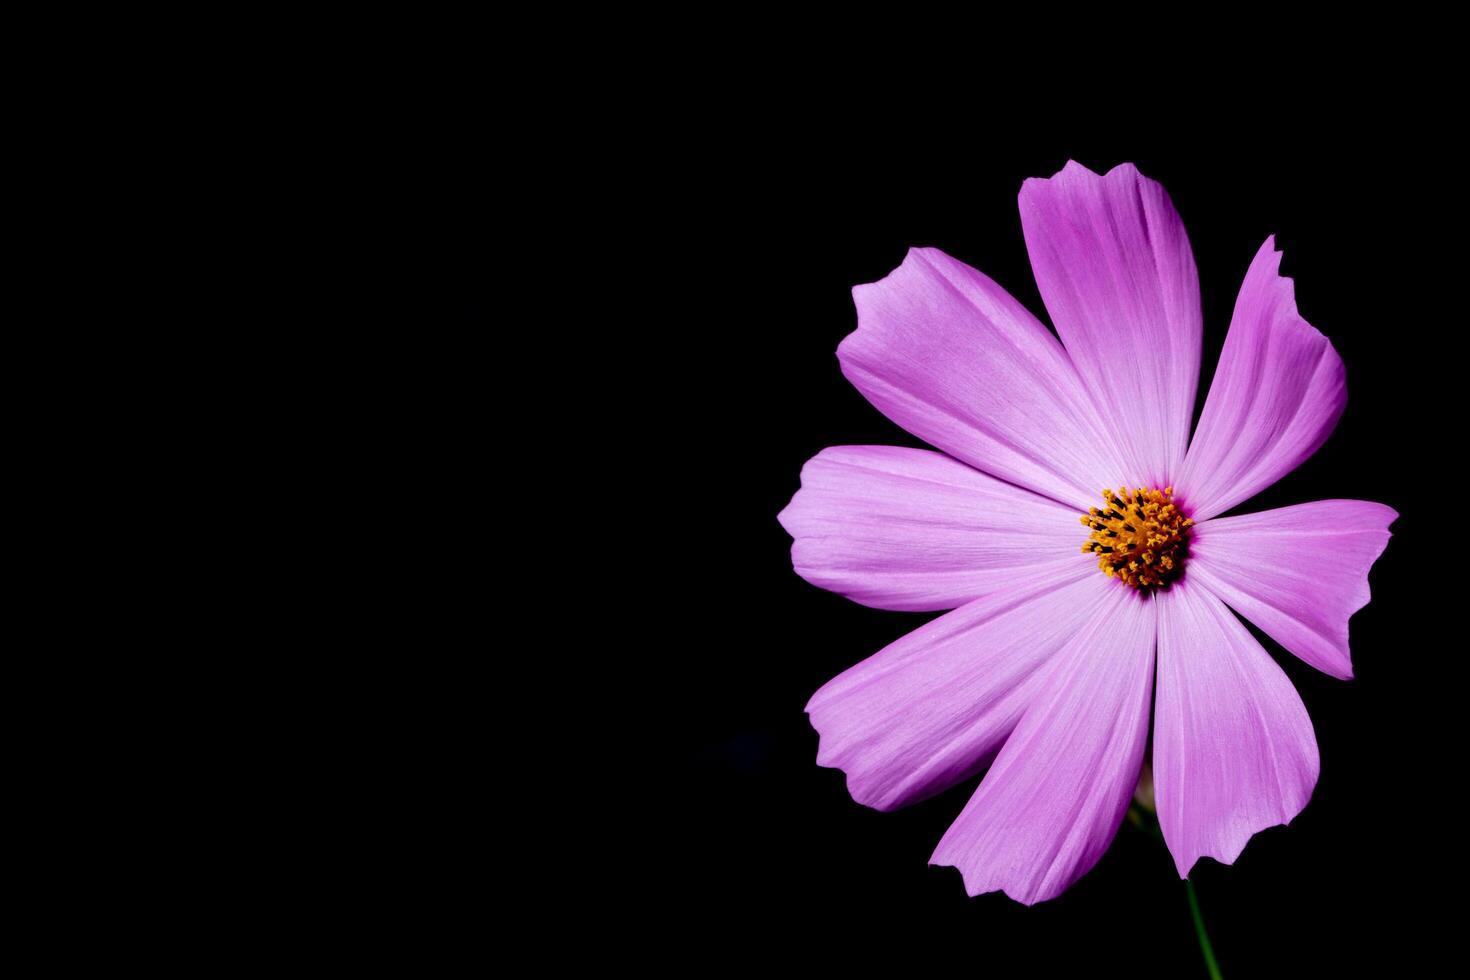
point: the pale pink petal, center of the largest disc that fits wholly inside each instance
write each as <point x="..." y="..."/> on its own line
<point x="929" y="710"/>
<point x="1299" y="573"/>
<point x="913" y="529"/>
<point x="1117" y="273"/>
<point x="1234" y="751"/>
<point x="1277" y="393"/>
<point x="954" y="359"/>
<point x="1052" y="801"/>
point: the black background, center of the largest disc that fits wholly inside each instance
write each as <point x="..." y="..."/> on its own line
<point x="746" y="849"/>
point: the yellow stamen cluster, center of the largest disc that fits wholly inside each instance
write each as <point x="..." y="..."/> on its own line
<point x="1139" y="538"/>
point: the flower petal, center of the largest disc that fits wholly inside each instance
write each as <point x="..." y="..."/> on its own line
<point x="1277" y="393"/>
<point x="1299" y="573"/>
<point x="1053" y="800"/>
<point x="1234" y="750"/>
<point x="928" y="711"/>
<point x="900" y="528"/>
<point x="954" y="359"/>
<point x="1117" y="273"/>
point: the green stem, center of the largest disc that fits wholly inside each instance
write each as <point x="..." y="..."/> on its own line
<point x="1199" y="931"/>
<point x="1146" y="821"/>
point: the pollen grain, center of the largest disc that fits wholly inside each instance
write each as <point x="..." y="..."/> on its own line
<point x="1140" y="537"/>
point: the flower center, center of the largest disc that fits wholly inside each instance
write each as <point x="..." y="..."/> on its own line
<point x="1139" y="537"/>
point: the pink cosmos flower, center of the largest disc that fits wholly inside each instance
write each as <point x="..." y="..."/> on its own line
<point x="1060" y="636"/>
